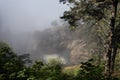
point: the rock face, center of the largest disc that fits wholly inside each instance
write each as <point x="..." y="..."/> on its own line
<point x="60" y="41"/>
<point x="78" y="53"/>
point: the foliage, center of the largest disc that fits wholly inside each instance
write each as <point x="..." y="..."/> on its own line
<point x="94" y="16"/>
<point x="103" y="19"/>
<point x="10" y="63"/>
<point x="13" y="68"/>
<point x="90" y="71"/>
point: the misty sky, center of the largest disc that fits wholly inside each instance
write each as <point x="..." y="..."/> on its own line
<point x="29" y="15"/>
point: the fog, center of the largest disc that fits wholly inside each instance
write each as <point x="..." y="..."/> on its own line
<point x="35" y="27"/>
<point x="20" y="20"/>
<point x="29" y="15"/>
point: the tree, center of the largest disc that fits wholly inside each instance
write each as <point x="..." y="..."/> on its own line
<point x="90" y="71"/>
<point x="98" y="14"/>
<point x="10" y="63"/>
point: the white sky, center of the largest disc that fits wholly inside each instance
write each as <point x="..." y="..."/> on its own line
<point x="29" y="15"/>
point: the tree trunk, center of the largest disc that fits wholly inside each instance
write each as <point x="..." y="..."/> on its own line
<point x="111" y="45"/>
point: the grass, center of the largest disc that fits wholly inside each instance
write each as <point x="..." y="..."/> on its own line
<point x="71" y="70"/>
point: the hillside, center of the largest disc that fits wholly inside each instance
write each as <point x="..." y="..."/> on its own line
<point x="71" y="46"/>
<point x="62" y="42"/>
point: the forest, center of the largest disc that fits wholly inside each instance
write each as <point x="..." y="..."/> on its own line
<point x="86" y="46"/>
<point x="14" y="67"/>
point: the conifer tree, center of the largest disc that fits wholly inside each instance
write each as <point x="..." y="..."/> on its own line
<point x="98" y="13"/>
